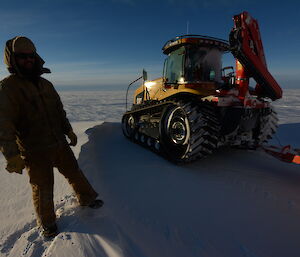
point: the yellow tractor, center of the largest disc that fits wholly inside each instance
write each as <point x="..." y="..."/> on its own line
<point x="197" y="105"/>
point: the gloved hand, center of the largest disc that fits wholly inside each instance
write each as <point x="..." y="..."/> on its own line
<point x="15" y="164"/>
<point x="73" y="138"/>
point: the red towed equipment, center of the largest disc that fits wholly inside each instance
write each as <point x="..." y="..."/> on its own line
<point x="286" y="153"/>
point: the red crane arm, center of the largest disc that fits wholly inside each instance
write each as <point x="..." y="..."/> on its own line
<point x="246" y="46"/>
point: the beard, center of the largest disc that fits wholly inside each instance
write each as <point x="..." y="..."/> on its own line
<point x="29" y="71"/>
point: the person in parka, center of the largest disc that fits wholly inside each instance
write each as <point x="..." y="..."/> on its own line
<point x="33" y="130"/>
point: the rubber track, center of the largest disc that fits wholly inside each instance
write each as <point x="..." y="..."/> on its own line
<point x="268" y="126"/>
<point x="204" y="127"/>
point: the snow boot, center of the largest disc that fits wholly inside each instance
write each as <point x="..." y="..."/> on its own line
<point x="96" y="204"/>
<point x="49" y="232"/>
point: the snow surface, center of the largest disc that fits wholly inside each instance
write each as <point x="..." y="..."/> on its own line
<point x="233" y="203"/>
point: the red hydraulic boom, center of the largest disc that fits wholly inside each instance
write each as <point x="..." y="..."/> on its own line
<point x="246" y="46"/>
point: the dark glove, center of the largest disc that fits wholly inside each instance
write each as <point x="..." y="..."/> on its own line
<point x="15" y="164"/>
<point x="73" y="138"/>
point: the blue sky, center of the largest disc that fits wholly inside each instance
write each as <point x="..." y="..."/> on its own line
<point x="108" y="42"/>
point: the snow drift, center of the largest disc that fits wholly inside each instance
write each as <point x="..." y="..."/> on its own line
<point x="233" y="203"/>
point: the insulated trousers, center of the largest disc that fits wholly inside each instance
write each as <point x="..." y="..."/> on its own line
<point x="40" y="170"/>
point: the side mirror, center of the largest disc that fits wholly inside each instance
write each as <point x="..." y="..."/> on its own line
<point x="145" y="75"/>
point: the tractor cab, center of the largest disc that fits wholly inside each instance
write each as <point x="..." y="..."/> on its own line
<point x="194" y="60"/>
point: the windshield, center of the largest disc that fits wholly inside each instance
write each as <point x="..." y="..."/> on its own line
<point x="173" y="70"/>
<point x="203" y="64"/>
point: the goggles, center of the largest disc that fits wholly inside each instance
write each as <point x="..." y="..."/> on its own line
<point x="25" y="56"/>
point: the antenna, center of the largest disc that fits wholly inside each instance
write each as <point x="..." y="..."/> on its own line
<point x="187" y="27"/>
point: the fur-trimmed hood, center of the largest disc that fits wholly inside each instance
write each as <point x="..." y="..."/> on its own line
<point x="16" y="45"/>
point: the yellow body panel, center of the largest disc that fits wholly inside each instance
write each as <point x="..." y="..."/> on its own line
<point x="157" y="90"/>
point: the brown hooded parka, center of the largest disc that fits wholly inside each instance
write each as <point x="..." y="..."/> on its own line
<point x="31" y="113"/>
<point x="33" y="124"/>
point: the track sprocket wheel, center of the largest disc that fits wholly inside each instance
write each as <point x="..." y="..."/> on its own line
<point x="188" y="131"/>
